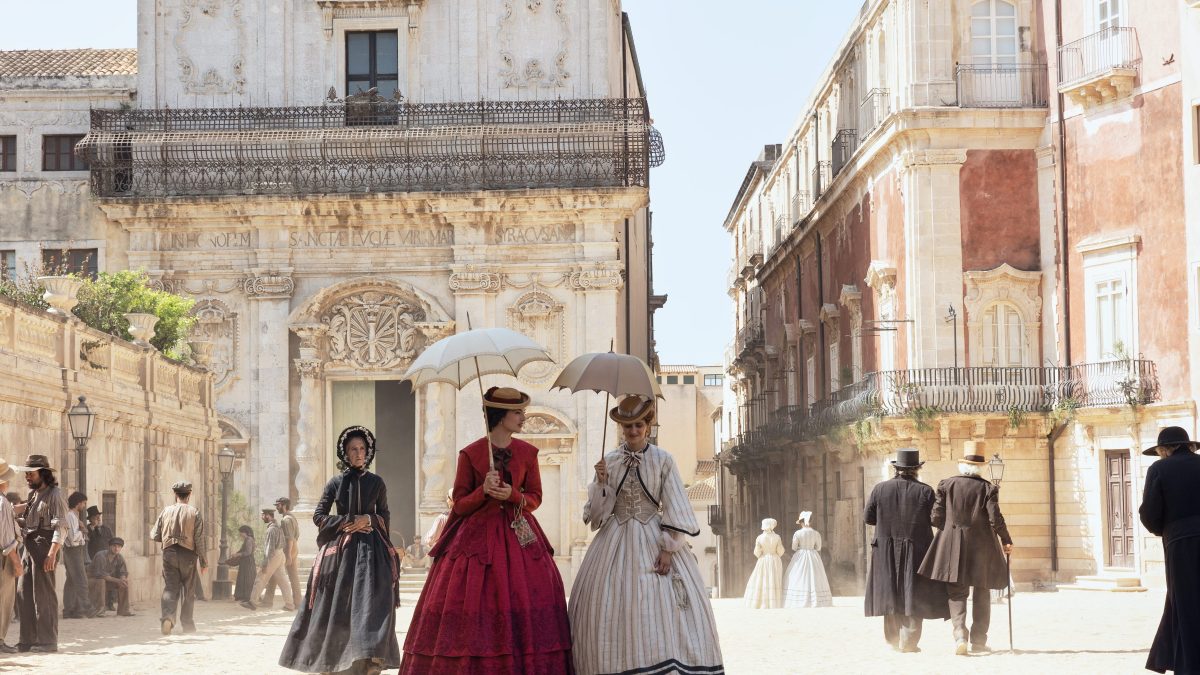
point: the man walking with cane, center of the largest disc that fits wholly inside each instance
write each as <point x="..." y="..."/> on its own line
<point x="965" y="552"/>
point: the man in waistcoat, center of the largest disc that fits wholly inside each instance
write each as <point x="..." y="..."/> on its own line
<point x="180" y="528"/>
<point x="43" y="519"/>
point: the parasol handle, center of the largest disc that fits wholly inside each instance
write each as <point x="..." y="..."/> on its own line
<point x="486" y="432"/>
<point x="604" y="435"/>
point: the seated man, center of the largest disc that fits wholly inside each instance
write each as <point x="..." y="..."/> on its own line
<point x="417" y="554"/>
<point x="108" y="573"/>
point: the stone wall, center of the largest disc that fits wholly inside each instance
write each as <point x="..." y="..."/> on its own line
<point x="155" y="424"/>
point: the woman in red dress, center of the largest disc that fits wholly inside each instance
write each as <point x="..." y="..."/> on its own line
<point x="494" y="600"/>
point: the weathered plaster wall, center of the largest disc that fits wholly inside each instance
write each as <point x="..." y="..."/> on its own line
<point x="999" y="210"/>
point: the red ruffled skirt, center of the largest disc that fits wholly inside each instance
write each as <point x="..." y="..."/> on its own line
<point x="490" y="607"/>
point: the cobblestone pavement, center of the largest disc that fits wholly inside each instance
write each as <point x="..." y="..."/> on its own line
<point x="1067" y="632"/>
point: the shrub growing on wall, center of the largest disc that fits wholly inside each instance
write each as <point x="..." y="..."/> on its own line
<point x="103" y="302"/>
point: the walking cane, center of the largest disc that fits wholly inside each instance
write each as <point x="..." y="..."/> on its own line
<point x="1008" y="573"/>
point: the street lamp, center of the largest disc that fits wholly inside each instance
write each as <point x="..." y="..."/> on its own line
<point x="221" y="586"/>
<point x="996" y="468"/>
<point x="82" y="419"/>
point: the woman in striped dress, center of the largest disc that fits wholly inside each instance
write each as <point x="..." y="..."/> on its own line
<point x="638" y="605"/>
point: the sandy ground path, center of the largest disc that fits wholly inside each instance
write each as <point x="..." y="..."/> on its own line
<point x="1058" y="633"/>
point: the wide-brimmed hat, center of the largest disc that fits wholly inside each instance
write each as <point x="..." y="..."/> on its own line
<point x="33" y="463"/>
<point x="908" y="458"/>
<point x="632" y="409"/>
<point x="6" y="472"/>
<point x="1171" y="437"/>
<point x="506" y="398"/>
<point x="973" y="453"/>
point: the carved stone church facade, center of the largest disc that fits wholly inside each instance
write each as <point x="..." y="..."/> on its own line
<point x="493" y="173"/>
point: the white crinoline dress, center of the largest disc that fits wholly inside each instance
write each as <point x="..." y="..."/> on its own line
<point x="626" y="619"/>
<point x="805" y="584"/>
<point x="764" y="590"/>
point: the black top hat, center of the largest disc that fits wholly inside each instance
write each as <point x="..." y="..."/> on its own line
<point x="94" y="511"/>
<point x="908" y="458"/>
<point x="1171" y="437"/>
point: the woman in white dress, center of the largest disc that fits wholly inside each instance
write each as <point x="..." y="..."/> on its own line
<point x="806" y="584"/>
<point x="638" y="604"/>
<point x="765" y="588"/>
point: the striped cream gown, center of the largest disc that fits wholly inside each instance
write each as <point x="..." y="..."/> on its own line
<point x="625" y="619"/>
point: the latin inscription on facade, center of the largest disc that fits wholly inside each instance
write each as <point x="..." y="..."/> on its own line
<point x="370" y="238"/>
<point x="535" y="234"/>
<point x="190" y="241"/>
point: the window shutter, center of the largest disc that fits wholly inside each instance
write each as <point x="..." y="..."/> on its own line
<point x="989" y="337"/>
<point x="1015" y="338"/>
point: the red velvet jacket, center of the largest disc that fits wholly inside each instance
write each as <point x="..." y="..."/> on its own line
<point x="473" y="466"/>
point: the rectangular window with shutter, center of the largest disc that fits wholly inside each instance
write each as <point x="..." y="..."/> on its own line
<point x="108" y="507"/>
<point x="810" y="379"/>
<point x="835" y="366"/>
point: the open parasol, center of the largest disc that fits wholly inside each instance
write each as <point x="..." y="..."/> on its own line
<point x="611" y="373"/>
<point x="460" y="358"/>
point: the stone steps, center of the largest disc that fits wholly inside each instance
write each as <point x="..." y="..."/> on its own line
<point x="1110" y="580"/>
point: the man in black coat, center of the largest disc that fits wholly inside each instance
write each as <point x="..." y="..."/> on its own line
<point x="900" y="510"/>
<point x="965" y="553"/>
<point x="1171" y="509"/>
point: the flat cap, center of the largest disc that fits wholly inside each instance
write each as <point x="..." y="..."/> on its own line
<point x="182" y="486"/>
<point x="269" y="509"/>
<point x="116" y="541"/>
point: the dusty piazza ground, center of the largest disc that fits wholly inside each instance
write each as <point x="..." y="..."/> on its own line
<point x="1066" y="632"/>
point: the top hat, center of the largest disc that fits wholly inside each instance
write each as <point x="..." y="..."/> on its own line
<point x="973" y="453"/>
<point x="908" y="458"/>
<point x="33" y="463"/>
<point x="1171" y="437"/>
<point x="506" y="398"/>
<point x="94" y="511"/>
<point x="633" y="408"/>
<point x="6" y="472"/>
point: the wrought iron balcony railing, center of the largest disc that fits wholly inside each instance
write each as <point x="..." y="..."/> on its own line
<point x="844" y="145"/>
<point x="873" y="110"/>
<point x="800" y="206"/>
<point x="821" y="177"/>
<point x="1111" y="49"/>
<point x="368" y="145"/>
<point x="1002" y="85"/>
<point x="749" y="336"/>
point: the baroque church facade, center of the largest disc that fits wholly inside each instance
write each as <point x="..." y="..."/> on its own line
<point x="338" y="184"/>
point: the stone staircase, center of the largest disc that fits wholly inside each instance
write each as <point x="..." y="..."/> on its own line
<point x="1111" y="579"/>
<point x="411" y="584"/>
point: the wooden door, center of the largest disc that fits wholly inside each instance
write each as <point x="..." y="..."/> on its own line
<point x="1120" y="509"/>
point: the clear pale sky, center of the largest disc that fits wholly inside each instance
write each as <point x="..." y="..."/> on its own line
<point x="724" y="78"/>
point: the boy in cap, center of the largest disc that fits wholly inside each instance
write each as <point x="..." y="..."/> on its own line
<point x="180" y="529"/>
<point x="108" y="573"/>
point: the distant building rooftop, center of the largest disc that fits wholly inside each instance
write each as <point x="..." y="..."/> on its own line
<point x="67" y="62"/>
<point x="704" y="491"/>
<point x="684" y="368"/>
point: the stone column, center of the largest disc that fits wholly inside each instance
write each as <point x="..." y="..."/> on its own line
<point x="933" y="267"/>
<point x="270" y="414"/>
<point x="310" y="460"/>
<point x="437" y="446"/>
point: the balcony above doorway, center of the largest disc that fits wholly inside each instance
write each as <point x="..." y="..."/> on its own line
<point x="1101" y="67"/>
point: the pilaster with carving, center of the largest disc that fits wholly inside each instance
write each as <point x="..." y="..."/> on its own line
<point x="270" y="294"/>
<point x="851" y="299"/>
<point x="310" y="465"/>
<point x="438" y="418"/>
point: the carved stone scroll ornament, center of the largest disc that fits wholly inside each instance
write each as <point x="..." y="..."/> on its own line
<point x="597" y="279"/>
<point x="521" y="19"/>
<point x="217" y="325"/>
<point x="268" y="287"/>
<point x="541" y="317"/>
<point x="200" y="23"/>
<point x="477" y="280"/>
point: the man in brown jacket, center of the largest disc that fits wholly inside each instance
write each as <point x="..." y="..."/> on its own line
<point x="965" y="552"/>
<point x="180" y="529"/>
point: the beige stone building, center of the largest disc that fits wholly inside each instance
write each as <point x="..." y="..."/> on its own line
<point x="338" y="184"/>
<point x="154" y="425"/>
<point x="952" y="244"/>
<point x="689" y="427"/>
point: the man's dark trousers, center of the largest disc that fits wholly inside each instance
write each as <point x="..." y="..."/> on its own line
<point x="981" y="612"/>
<point x="179" y="579"/>
<point x="38" y="599"/>
<point x="76" y="600"/>
<point x="902" y="632"/>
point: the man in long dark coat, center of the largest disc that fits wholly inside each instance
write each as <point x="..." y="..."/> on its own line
<point x="965" y="553"/>
<point x="1171" y="509"/>
<point x="900" y="510"/>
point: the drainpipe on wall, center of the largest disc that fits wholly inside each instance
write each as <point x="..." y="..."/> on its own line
<point x="1051" y="439"/>
<point x="1064" y="283"/>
